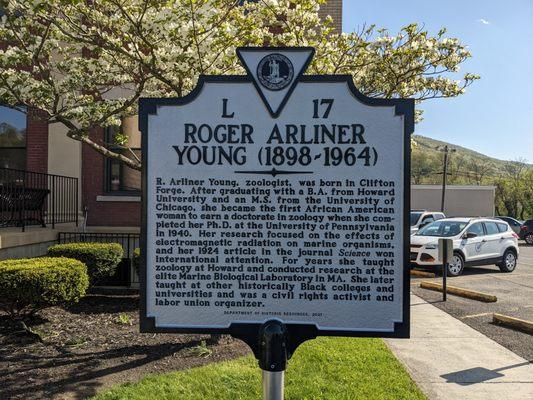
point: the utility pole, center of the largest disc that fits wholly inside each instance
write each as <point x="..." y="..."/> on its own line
<point x="444" y="172"/>
<point x="446" y="150"/>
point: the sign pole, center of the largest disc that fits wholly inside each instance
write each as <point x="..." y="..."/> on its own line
<point x="273" y="383"/>
<point x="445" y="254"/>
<point x="444" y="275"/>
<point x="273" y="358"/>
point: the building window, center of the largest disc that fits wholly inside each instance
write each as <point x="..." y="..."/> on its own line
<point x="13" y="125"/>
<point x="121" y="179"/>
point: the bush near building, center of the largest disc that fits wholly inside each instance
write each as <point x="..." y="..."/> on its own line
<point x="31" y="284"/>
<point x="101" y="258"/>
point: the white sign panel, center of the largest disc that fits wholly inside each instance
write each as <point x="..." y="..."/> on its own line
<point x="276" y="195"/>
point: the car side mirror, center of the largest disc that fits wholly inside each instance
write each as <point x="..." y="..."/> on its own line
<point x="470" y="235"/>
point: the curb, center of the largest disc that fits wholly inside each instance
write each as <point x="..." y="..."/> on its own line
<point x="469" y="294"/>
<point x="422" y="274"/>
<point x="512" y="322"/>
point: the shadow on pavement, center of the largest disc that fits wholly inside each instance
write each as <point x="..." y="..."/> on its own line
<point x="475" y="375"/>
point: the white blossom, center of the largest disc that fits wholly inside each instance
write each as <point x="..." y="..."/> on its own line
<point x="71" y="58"/>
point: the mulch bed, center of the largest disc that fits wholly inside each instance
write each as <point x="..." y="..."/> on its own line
<point x="93" y="345"/>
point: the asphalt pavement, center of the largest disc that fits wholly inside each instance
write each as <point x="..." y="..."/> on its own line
<point x="515" y="298"/>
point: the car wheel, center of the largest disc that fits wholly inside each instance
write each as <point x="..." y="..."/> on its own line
<point x="456" y="265"/>
<point x="508" y="263"/>
<point x="529" y="238"/>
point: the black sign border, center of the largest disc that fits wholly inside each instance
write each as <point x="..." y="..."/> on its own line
<point x="298" y="333"/>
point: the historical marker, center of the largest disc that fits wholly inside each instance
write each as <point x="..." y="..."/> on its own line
<point x="276" y="196"/>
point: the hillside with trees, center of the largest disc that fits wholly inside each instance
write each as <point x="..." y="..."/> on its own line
<point x="513" y="179"/>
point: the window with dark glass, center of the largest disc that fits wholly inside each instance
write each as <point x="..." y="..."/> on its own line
<point x="121" y="179"/>
<point x="476" y="228"/>
<point x="492" y="228"/>
<point x="13" y="125"/>
<point x="502" y="227"/>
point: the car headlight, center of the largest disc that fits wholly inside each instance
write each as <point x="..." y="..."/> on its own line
<point x="432" y="246"/>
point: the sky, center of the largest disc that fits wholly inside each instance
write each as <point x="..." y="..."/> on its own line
<point x="495" y="115"/>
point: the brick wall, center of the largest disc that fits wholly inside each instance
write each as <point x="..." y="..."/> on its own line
<point x="102" y="213"/>
<point x="334" y="9"/>
<point x="36" y="142"/>
<point x="36" y="138"/>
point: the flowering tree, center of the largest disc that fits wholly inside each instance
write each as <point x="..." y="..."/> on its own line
<point x="85" y="63"/>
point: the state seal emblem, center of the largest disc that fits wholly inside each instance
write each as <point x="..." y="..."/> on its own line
<point x="275" y="71"/>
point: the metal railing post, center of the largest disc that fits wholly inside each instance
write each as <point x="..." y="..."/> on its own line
<point x="53" y="202"/>
<point x="23" y="206"/>
<point x="76" y="201"/>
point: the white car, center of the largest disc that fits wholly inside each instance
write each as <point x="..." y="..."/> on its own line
<point x="476" y="241"/>
<point x="421" y="218"/>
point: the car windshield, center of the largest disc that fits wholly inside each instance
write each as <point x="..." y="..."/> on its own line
<point x="442" y="228"/>
<point x="415" y="216"/>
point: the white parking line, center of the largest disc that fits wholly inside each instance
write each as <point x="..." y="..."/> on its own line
<point x="476" y="315"/>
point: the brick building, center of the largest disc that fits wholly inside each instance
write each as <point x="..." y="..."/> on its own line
<point x="334" y="9"/>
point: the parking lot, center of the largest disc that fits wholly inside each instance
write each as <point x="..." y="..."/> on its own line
<point x="515" y="298"/>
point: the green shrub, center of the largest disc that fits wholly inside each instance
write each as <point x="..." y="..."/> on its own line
<point x="30" y="284"/>
<point x="101" y="258"/>
<point x="136" y="259"/>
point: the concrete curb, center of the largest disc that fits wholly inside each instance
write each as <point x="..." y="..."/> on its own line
<point x="469" y="294"/>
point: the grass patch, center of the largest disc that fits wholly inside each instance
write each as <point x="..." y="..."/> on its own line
<point x="324" y="368"/>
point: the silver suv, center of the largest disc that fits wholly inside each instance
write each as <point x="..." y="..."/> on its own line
<point x="476" y="241"/>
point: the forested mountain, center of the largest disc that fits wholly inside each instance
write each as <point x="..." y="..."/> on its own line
<point x="431" y="145"/>
<point x="513" y="179"/>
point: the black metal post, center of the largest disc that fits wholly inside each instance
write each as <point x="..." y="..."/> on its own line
<point x="445" y="262"/>
<point x="445" y="254"/>
<point x="444" y="275"/>
<point x="273" y="358"/>
<point x="53" y="202"/>
<point x="22" y="214"/>
<point x="76" y="214"/>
